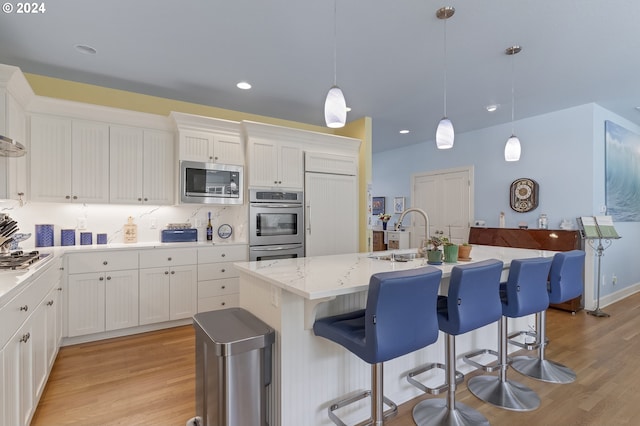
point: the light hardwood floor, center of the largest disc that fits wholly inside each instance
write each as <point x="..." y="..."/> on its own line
<point x="149" y="379"/>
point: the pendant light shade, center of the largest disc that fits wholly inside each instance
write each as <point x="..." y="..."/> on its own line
<point x="444" y="134"/>
<point x="335" y="108"/>
<point x="512" y="149"/>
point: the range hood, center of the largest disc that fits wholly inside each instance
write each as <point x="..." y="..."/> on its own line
<point x="11" y="148"/>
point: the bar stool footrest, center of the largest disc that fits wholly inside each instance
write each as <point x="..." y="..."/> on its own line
<point x="489" y="368"/>
<point x="524" y="345"/>
<point x="438" y="389"/>
<point x="392" y="411"/>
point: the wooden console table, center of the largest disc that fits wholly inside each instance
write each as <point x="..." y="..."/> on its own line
<point x="540" y="239"/>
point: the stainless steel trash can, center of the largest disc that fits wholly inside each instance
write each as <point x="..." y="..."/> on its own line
<point x="233" y="367"/>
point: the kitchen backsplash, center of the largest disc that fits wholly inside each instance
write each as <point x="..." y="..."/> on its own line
<point x="110" y="219"/>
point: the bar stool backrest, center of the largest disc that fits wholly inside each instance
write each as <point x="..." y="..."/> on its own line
<point x="525" y="291"/>
<point x="566" y="276"/>
<point x="473" y="300"/>
<point x="401" y="312"/>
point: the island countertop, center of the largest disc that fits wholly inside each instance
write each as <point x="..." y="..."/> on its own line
<point x="322" y="277"/>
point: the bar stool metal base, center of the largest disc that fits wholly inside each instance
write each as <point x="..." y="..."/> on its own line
<point x="505" y="394"/>
<point x="543" y="369"/>
<point x="433" y="412"/>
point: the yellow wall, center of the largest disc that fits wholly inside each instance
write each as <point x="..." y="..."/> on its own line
<point x="97" y="95"/>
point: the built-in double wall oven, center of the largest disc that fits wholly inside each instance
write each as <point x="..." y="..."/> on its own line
<point x="276" y="224"/>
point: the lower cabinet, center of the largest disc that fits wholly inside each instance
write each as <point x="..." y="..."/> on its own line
<point x="102" y="301"/>
<point x="218" y="282"/>
<point x="167" y="293"/>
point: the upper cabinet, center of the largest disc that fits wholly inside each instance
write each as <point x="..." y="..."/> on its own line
<point x="275" y="164"/>
<point x="208" y="140"/>
<point x="141" y="166"/>
<point x="69" y="160"/>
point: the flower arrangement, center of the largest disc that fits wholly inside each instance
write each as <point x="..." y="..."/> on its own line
<point x="385" y="217"/>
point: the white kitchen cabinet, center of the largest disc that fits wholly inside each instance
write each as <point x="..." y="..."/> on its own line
<point x="18" y="377"/>
<point x="69" y="160"/>
<point x="218" y="282"/>
<point x="397" y="239"/>
<point x="13" y="124"/>
<point x="141" y="166"/>
<point x="168" y="285"/>
<point x="103" y="300"/>
<point x="275" y="164"/>
<point x="210" y="147"/>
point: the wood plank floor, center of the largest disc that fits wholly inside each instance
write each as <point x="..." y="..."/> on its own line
<point x="149" y="379"/>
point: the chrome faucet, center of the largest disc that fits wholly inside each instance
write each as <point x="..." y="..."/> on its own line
<point x="417" y="210"/>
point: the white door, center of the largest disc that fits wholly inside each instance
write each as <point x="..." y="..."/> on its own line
<point x="125" y="160"/>
<point x="154" y="295"/>
<point x="183" y="292"/>
<point x="331" y="214"/>
<point x="121" y="299"/>
<point x="90" y="162"/>
<point x="50" y="159"/>
<point x="158" y="168"/>
<point x="86" y="303"/>
<point x="446" y="196"/>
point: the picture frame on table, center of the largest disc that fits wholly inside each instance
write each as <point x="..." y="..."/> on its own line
<point x="398" y="204"/>
<point x="377" y="206"/>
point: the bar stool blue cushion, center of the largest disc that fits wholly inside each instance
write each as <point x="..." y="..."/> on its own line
<point x="400" y="316"/>
<point x="565" y="278"/>
<point x="473" y="300"/>
<point x="525" y="291"/>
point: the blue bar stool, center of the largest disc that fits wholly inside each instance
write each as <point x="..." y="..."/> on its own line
<point x="473" y="301"/>
<point x="565" y="283"/>
<point x="400" y="317"/>
<point x="524" y="293"/>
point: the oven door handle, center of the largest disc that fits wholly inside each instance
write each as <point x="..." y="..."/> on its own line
<point x="275" y="248"/>
<point x="277" y="206"/>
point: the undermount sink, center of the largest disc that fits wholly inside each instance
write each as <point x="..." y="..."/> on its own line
<point x="397" y="257"/>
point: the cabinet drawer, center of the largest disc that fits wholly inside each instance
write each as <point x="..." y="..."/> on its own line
<point x="219" y="302"/>
<point x="16" y="312"/>
<point x="214" y="271"/>
<point x="167" y="257"/>
<point x="213" y="288"/>
<point x="80" y="263"/>
<point x="222" y="254"/>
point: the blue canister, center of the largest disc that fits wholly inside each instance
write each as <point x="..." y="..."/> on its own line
<point x="102" y="238"/>
<point x="44" y="235"/>
<point x="86" y="238"/>
<point x="68" y="237"/>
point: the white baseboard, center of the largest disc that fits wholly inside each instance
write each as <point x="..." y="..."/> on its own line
<point x="124" y="332"/>
<point x="618" y="295"/>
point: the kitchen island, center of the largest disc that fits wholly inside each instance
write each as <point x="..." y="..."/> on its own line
<point x="310" y="372"/>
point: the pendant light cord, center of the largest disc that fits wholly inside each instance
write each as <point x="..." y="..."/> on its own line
<point x="513" y="101"/>
<point x="445" y="67"/>
<point x="335" y="43"/>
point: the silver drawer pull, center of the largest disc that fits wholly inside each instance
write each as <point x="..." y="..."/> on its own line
<point x="25" y="338"/>
<point x="223" y="303"/>
<point x="222" y="270"/>
<point x="108" y="278"/>
<point x="105" y="262"/>
<point x="223" y="287"/>
<point x="24" y="308"/>
<point x="173" y="272"/>
<point x="101" y="279"/>
<point x="223" y="255"/>
<point x="169" y="259"/>
<point x="50" y="303"/>
<point x="166" y="272"/>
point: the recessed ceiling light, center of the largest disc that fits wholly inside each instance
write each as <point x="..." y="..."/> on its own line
<point x="638" y="108"/>
<point x="492" y="108"/>
<point x="85" y="49"/>
<point x="243" y="85"/>
<point x="404" y="131"/>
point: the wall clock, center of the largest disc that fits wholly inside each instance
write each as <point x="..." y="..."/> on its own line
<point x="225" y="231"/>
<point x="524" y="195"/>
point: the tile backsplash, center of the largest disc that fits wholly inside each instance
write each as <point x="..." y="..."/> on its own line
<point x="109" y="219"/>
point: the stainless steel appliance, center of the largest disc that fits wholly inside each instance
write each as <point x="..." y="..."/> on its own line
<point x="211" y="183"/>
<point x="276" y="224"/>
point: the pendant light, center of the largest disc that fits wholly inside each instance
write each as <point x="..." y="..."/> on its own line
<point x="512" y="148"/>
<point x="444" y="132"/>
<point x="335" y="106"/>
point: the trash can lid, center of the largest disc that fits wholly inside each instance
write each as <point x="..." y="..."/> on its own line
<point x="234" y="330"/>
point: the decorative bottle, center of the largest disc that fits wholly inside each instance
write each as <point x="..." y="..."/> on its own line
<point x="209" y="229"/>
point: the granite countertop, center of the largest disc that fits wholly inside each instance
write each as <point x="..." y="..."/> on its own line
<point x="328" y="276"/>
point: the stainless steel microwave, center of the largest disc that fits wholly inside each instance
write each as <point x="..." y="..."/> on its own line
<point x="211" y="183"/>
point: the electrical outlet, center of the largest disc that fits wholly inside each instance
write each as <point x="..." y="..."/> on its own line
<point x="614" y="280"/>
<point x="82" y="223"/>
<point x="198" y="223"/>
<point x="153" y="223"/>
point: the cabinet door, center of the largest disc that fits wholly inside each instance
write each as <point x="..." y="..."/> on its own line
<point x="227" y="149"/>
<point x="183" y="292"/>
<point x="196" y="146"/>
<point x="158" y="168"/>
<point x="154" y="295"/>
<point x="18" y="377"/>
<point x="50" y="154"/>
<point x="121" y="299"/>
<point x="86" y="303"/>
<point x="16" y="168"/>
<point x="290" y="169"/>
<point x="263" y="164"/>
<point x="3" y="400"/>
<point x="53" y="325"/>
<point x="90" y="162"/>
<point x="125" y="157"/>
<point x="38" y="338"/>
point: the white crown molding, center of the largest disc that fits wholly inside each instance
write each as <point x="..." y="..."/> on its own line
<point x="13" y="81"/>
<point x="184" y="121"/>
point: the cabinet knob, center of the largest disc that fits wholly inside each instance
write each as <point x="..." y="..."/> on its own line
<point x="166" y="272"/>
<point x="101" y="279"/>
<point x="169" y="259"/>
<point x="108" y="278"/>
<point x="279" y="181"/>
<point x="222" y="270"/>
<point x="25" y="337"/>
<point x="105" y="262"/>
<point x="67" y="197"/>
<point x="50" y="303"/>
<point x="75" y="197"/>
<point x="210" y="158"/>
<point x="215" y="158"/>
<point x="24" y="308"/>
<point x="59" y="289"/>
<point x="223" y="303"/>
<point x="223" y="287"/>
<point x="173" y="272"/>
<point x="145" y="199"/>
<point x="139" y="199"/>
<point x="223" y="255"/>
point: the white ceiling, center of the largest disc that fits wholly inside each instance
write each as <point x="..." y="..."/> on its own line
<point x="390" y="57"/>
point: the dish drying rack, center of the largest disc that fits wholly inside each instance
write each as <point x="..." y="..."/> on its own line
<point x="8" y="229"/>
